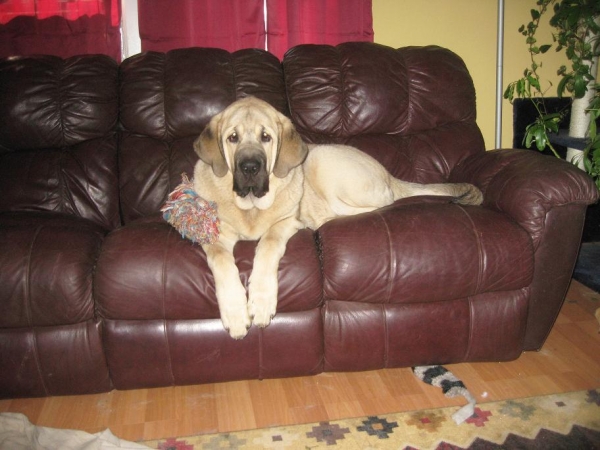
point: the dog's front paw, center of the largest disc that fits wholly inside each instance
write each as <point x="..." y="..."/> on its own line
<point x="262" y="312"/>
<point x="233" y="308"/>
<point x="262" y="304"/>
<point x="236" y="322"/>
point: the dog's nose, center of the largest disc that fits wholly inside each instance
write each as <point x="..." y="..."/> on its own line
<point x="250" y="166"/>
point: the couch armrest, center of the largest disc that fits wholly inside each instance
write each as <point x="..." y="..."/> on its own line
<point x="526" y="185"/>
<point x="548" y="198"/>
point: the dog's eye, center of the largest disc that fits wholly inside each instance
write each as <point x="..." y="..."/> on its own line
<point x="265" y="137"/>
<point x="233" y="138"/>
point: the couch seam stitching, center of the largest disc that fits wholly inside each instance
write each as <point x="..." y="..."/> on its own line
<point x="479" y="282"/>
<point x="163" y="297"/>
<point x="392" y="270"/>
<point x="479" y="251"/>
<point x="393" y="264"/>
<point x="66" y="196"/>
<point x="28" y="277"/>
<point x="36" y="352"/>
<point x="471" y="333"/>
<point x="409" y="92"/>
<point x="386" y="338"/>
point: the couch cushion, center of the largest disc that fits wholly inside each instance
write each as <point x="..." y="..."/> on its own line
<point x="148" y="271"/>
<point x="412" y="108"/>
<point x="364" y="88"/>
<point x="79" y="180"/>
<point x="423" y="250"/>
<point x="58" y="146"/>
<point x="46" y="267"/>
<point x="49" y="102"/>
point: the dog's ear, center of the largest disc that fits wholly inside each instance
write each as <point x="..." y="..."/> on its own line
<point x="291" y="151"/>
<point x="209" y="148"/>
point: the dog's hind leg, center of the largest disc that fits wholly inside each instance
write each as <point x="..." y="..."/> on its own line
<point x="462" y="193"/>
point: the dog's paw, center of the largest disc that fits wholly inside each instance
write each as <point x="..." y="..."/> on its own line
<point x="471" y="195"/>
<point x="262" y="308"/>
<point x="236" y="323"/>
<point x="233" y="308"/>
<point x="262" y="299"/>
<point x="262" y="315"/>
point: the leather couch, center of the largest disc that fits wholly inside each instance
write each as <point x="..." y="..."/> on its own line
<point x="98" y="292"/>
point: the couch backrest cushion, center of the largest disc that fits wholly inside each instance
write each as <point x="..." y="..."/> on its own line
<point x="166" y="101"/>
<point x="412" y="108"/>
<point x="58" y="146"/>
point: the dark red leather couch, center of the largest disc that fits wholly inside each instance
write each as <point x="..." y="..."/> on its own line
<point x="98" y="292"/>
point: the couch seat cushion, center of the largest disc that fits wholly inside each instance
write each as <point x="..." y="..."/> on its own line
<point x="147" y="271"/>
<point x="423" y="250"/>
<point x="46" y="269"/>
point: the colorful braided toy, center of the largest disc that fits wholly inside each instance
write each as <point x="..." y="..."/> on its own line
<point x="195" y="218"/>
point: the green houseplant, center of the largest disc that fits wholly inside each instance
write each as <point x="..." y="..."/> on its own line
<point x="576" y="31"/>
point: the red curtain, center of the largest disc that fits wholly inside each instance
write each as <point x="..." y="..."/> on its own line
<point x="231" y="25"/>
<point x="293" y="22"/>
<point x="59" y="27"/>
<point x="69" y="27"/>
<point x="237" y="24"/>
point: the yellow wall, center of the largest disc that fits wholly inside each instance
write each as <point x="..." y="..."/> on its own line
<point x="469" y="28"/>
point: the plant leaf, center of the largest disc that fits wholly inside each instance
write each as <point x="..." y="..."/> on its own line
<point x="541" y="138"/>
<point x="562" y="85"/>
<point x="579" y="86"/>
<point x="534" y="82"/>
<point x="509" y="93"/>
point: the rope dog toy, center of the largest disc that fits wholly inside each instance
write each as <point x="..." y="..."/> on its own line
<point x="196" y="219"/>
<point x="451" y="386"/>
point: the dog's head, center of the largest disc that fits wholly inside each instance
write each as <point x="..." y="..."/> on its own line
<point x="253" y="141"/>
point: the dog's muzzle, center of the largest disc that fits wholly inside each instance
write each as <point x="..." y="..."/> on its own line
<point x="250" y="174"/>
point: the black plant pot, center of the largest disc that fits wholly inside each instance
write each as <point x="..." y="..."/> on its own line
<point x="591" y="229"/>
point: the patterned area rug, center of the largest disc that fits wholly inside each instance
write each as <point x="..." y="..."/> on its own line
<point x="560" y="421"/>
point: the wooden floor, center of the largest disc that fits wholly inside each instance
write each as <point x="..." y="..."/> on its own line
<point x="569" y="361"/>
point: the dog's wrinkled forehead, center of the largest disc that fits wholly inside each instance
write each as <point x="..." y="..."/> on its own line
<point x="252" y="126"/>
<point x="249" y="119"/>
